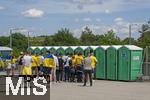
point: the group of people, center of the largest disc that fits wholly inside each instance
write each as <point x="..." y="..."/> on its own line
<point x="55" y="67"/>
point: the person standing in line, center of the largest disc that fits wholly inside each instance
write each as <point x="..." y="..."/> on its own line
<point x="48" y="65"/>
<point x="79" y="67"/>
<point x="1" y="63"/>
<point x="66" y="69"/>
<point x="41" y="69"/>
<point x="13" y="64"/>
<point x="8" y="63"/>
<point x="72" y="68"/>
<point x="87" y="69"/>
<point x="94" y="62"/>
<point x="54" y="68"/>
<point x="20" y="64"/>
<point x="59" y="69"/>
<point x="35" y="64"/>
<point x="27" y="64"/>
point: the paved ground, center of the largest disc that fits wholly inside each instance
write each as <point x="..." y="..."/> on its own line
<point x="102" y="90"/>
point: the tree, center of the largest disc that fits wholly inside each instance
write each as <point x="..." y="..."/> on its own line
<point x="4" y="41"/>
<point x="110" y="39"/>
<point x="19" y="41"/>
<point x="144" y="39"/>
<point x="88" y="38"/>
<point x="126" y="41"/>
<point x="64" y="37"/>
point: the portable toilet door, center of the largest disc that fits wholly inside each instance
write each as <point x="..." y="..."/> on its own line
<point x="79" y="50"/>
<point x="100" y="54"/>
<point x="44" y="49"/>
<point x="87" y="51"/>
<point x="37" y="50"/>
<point x="30" y="49"/>
<point x="69" y="51"/>
<point x="130" y="61"/>
<point x="60" y="51"/>
<point x="112" y="62"/>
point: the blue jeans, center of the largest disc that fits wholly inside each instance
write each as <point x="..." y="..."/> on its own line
<point x="66" y="73"/>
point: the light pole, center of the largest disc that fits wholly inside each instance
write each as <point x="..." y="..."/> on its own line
<point x="130" y="31"/>
<point x="130" y="34"/>
<point x="11" y="32"/>
<point x="10" y="41"/>
<point x="28" y="39"/>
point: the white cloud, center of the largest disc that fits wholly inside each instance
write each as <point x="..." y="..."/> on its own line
<point x="118" y="19"/>
<point x="2" y="8"/>
<point x="87" y="19"/>
<point x="33" y="13"/>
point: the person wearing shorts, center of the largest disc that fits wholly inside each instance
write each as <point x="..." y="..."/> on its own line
<point x="27" y="64"/>
<point x="48" y="65"/>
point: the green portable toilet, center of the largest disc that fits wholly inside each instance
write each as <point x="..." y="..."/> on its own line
<point x="60" y="50"/>
<point x="5" y="51"/>
<point x="29" y="49"/>
<point x="37" y="50"/>
<point x="69" y="51"/>
<point x="100" y="54"/>
<point x="130" y="63"/>
<point x="52" y="49"/>
<point x="112" y="62"/>
<point x="79" y="50"/>
<point x="44" y="49"/>
<point x="88" y="50"/>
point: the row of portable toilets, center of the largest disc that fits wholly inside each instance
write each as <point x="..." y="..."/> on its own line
<point x="115" y="62"/>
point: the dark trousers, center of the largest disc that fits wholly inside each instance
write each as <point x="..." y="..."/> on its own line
<point x="86" y="73"/>
<point x="79" y="73"/>
<point x="72" y="74"/>
<point x="66" y="73"/>
<point x="59" y="75"/>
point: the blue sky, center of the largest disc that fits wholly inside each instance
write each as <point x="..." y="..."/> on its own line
<point x="44" y="17"/>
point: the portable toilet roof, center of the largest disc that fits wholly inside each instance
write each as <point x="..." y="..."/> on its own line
<point x="40" y="47"/>
<point x="104" y="47"/>
<point x="84" y="47"/>
<point x="132" y="47"/>
<point x="33" y="47"/>
<point x="65" y="47"/>
<point x="57" y="47"/>
<point x="94" y="47"/>
<point x="73" y="47"/>
<point x="5" y="48"/>
<point x="116" y="46"/>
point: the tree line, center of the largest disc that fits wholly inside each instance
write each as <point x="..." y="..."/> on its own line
<point x="65" y="37"/>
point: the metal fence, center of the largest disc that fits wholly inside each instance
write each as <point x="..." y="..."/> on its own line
<point x="146" y="69"/>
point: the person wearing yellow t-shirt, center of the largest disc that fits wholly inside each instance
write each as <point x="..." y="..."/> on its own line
<point x="1" y="63"/>
<point x="93" y="64"/>
<point x="13" y="64"/>
<point x="79" y="67"/>
<point x="48" y="64"/>
<point x="35" y="64"/>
